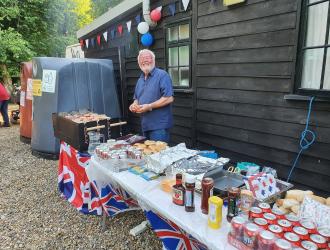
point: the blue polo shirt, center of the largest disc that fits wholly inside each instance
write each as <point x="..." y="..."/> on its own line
<point x="157" y="85"/>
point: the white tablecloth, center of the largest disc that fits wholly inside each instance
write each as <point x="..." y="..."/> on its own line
<point x="150" y="196"/>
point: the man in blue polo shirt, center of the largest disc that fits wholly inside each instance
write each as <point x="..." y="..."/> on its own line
<point x="152" y="99"/>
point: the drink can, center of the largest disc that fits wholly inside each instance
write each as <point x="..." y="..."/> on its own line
<point x="319" y="240"/>
<point x="270" y="218"/>
<point x="309" y="225"/>
<point x="292" y="238"/>
<point x="293" y="219"/>
<point x="250" y="233"/>
<point x="325" y="232"/>
<point x="278" y="213"/>
<point x="282" y="244"/>
<point x="237" y="227"/>
<point x="261" y="222"/>
<point x="266" y="240"/>
<point x="301" y="232"/>
<point x="255" y="212"/>
<point x="286" y="225"/>
<point x="277" y="230"/>
<point x="265" y="207"/>
<point x="308" y="245"/>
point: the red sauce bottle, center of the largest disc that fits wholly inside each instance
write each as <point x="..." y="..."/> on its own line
<point x="178" y="191"/>
<point x="207" y="192"/>
<point x="190" y="194"/>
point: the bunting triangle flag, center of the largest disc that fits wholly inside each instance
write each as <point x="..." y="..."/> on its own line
<point x="172" y="9"/>
<point x="105" y="35"/>
<point x="87" y="43"/>
<point x="138" y="19"/>
<point x="113" y="34"/>
<point x="159" y="8"/>
<point x="120" y="29"/>
<point x="129" y="25"/>
<point x="185" y="4"/>
<point x="98" y="38"/>
<point x="92" y="42"/>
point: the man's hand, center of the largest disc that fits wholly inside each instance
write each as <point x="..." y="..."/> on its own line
<point x="134" y="107"/>
<point x="144" y="108"/>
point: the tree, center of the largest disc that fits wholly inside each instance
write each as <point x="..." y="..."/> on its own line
<point x="34" y="28"/>
<point x="99" y="7"/>
<point x="82" y="9"/>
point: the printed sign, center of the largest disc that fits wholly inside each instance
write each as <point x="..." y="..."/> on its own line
<point x="36" y="85"/>
<point x="22" y="99"/>
<point x="48" y="80"/>
<point x="29" y="89"/>
<point x="232" y="2"/>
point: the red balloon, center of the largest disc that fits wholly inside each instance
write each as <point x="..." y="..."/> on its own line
<point x="155" y="15"/>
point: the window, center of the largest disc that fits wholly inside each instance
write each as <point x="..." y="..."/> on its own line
<point x="314" y="56"/>
<point x="178" y="54"/>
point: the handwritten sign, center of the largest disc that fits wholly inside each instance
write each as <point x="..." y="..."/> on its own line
<point x="36" y="86"/>
<point x="232" y="2"/>
<point x="48" y="80"/>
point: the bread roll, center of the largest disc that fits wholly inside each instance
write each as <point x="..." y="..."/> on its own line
<point x="287" y="203"/>
<point x="284" y="210"/>
<point x="295" y="209"/>
<point x="297" y="194"/>
<point x="318" y="198"/>
<point x="328" y="201"/>
<point x="147" y="151"/>
<point x="148" y="142"/>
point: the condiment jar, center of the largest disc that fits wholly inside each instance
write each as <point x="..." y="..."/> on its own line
<point x="190" y="193"/>
<point x="215" y="212"/>
<point x="207" y="192"/>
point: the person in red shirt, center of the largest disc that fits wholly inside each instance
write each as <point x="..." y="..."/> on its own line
<point x="4" y="100"/>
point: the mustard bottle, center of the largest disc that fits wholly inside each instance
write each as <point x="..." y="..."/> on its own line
<point x="215" y="212"/>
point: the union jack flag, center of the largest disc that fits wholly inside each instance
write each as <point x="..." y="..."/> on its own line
<point x="114" y="199"/>
<point x="173" y="237"/>
<point x="73" y="182"/>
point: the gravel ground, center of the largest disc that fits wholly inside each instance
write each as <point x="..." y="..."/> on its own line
<point x="34" y="216"/>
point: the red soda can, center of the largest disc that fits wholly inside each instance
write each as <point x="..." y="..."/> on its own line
<point x="308" y="245"/>
<point x="265" y="207"/>
<point x="261" y="222"/>
<point x="255" y="212"/>
<point x="250" y="233"/>
<point x="319" y="240"/>
<point x="309" y="225"/>
<point x="237" y="227"/>
<point x="292" y="238"/>
<point x="278" y="213"/>
<point x="286" y="225"/>
<point x="293" y="219"/>
<point x="277" y="230"/>
<point x="325" y="232"/>
<point x="301" y="232"/>
<point x="266" y="240"/>
<point x="281" y="244"/>
<point x="270" y="218"/>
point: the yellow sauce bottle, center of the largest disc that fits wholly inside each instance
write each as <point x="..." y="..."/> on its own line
<point x="215" y="212"/>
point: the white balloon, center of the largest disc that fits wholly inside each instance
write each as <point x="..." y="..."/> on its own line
<point x="143" y="27"/>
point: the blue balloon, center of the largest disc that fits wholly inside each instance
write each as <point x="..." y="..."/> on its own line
<point x="147" y="39"/>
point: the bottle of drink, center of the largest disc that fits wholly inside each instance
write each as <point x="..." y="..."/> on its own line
<point x="178" y="191"/>
<point x="233" y="196"/>
<point x="207" y="192"/>
<point x="190" y="194"/>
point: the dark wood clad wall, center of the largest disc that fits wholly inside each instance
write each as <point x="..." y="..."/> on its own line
<point x="245" y="67"/>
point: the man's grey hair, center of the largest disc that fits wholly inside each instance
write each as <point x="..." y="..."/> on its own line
<point x="146" y="51"/>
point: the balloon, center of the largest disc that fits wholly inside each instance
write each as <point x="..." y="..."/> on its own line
<point x="147" y="40"/>
<point x="143" y="27"/>
<point x="155" y="15"/>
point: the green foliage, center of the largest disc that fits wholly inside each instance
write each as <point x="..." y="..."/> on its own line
<point x="99" y="7"/>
